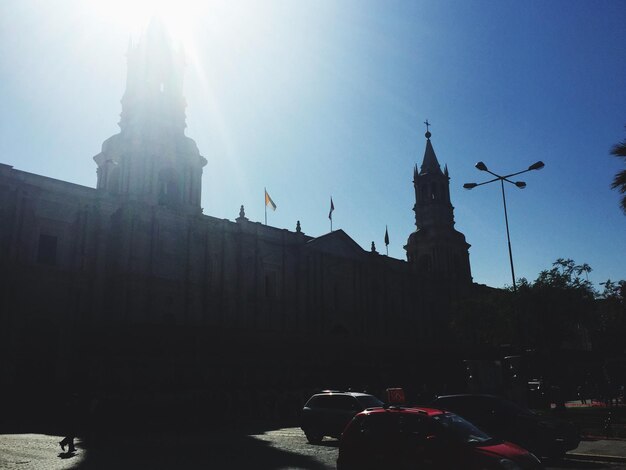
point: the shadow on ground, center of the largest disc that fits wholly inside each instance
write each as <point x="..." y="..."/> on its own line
<point x="125" y="435"/>
<point x="229" y="450"/>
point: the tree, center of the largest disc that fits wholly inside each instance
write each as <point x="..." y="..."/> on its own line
<point x="611" y="318"/>
<point x="619" y="182"/>
<point x="557" y="308"/>
<point x="566" y="274"/>
<point x="486" y="319"/>
<point x="613" y="290"/>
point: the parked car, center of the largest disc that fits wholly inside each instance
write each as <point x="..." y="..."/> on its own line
<point x="327" y="413"/>
<point x="402" y="438"/>
<point x="543" y="435"/>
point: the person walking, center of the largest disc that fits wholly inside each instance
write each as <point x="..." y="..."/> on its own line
<point x="69" y="442"/>
<point x="70" y="416"/>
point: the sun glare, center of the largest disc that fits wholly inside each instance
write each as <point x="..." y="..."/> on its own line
<point x="133" y="15"/>
<point x="228" y="22"/>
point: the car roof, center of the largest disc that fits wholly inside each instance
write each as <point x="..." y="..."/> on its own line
<point x="404" y="410"/>
<point x="460" y="395"/>
<point x="337" y="392"/>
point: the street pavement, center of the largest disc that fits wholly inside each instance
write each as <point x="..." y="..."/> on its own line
<point x="613" y="450"/>
<point x="260" y="448"/>
<point x="36" y="452"/>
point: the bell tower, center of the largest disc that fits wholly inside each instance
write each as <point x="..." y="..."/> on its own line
<point x="151" y="160"/>
<point x="436" y="250"/>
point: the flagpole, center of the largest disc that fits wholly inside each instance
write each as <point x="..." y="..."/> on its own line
<point x="265" y="204"/>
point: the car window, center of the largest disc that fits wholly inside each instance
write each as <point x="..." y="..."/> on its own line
<point x="460" y="429"/>
<point x="345" y="402"/>
<point x="461" y="405"/>
<point x="369" y="401"/>
<point x="313" y="402"/>
<point x="321" y="401"/>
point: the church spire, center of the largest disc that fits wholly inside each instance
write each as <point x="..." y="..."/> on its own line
<point x="435" y="249"/>
<point x="429" y="163"/>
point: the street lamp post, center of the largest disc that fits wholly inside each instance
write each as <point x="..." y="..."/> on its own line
<point x="520" y="184"/>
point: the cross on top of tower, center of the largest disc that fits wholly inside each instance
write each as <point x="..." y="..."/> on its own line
<point x="428" y="134"/>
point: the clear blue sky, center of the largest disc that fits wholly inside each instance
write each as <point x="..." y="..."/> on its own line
<point x="313" y="99"/>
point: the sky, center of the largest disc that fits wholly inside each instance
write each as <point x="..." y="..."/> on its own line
<point x="328" y="98"/>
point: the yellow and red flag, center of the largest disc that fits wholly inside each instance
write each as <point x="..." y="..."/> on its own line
<point x="269" y="202"/>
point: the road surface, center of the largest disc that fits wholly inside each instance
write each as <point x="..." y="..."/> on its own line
<point x="278" y="449"/>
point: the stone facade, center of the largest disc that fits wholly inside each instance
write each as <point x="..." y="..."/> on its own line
<point x="129" y="283"/>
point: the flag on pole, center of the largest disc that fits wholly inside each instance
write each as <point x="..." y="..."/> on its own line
<point x="269" y="202"/>
<point x="332" y="208"/>
<point x="386" y="236"/>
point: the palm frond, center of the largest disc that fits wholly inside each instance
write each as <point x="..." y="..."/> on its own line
<point x="619" y="182"/>
<point x="619" y="150"/>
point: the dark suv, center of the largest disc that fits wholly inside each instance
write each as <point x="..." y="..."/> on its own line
<point x="327" y="413"/>
<point x="545" y="436"/>
<point x="424" y="438"/>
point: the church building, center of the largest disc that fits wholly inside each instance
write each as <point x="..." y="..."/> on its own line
<point x="129" y="283"/>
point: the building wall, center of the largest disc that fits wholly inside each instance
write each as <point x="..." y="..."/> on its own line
<point x="130" y="290"/>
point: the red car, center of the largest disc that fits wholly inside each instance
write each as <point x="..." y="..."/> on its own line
<point x="425" y="438"/>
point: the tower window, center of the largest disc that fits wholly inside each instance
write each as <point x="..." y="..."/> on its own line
<point x="47" y="252"/>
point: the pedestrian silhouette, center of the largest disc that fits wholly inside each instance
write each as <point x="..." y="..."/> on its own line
<point x="70" y="418"/>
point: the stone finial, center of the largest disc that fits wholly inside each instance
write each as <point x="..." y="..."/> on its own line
<point x="374" y="248"/>
<point x="242" y="215"/>
<point x="298" y="228"/>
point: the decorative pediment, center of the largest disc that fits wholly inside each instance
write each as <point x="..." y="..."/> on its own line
<point x="337" y="243"/>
